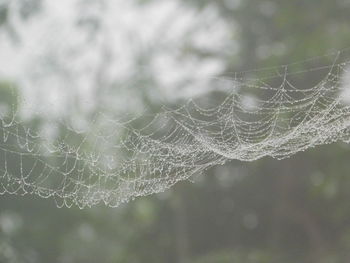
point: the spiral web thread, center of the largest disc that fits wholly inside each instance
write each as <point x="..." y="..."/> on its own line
<point x="114" y="161"/>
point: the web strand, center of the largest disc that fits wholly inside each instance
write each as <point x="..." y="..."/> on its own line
<point x="115" y="161"/>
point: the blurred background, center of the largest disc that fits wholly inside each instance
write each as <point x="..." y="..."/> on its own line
<point x="124" y="57"/>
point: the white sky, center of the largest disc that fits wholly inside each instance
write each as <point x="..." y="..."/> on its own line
<point x="59" y="56"/>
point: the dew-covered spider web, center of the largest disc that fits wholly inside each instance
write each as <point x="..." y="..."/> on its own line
<point x="113" y="161"/>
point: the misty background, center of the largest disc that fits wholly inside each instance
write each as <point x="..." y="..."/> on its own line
<point x="76" y="58"/>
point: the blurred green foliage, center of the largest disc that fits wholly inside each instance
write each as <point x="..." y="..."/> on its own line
<point x="294" y="210"/>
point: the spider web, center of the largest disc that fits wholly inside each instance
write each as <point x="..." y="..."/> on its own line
<point x="114" y="161"/>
